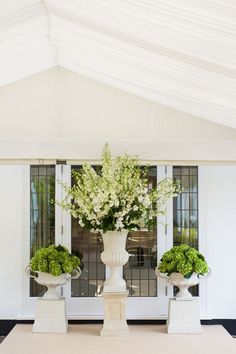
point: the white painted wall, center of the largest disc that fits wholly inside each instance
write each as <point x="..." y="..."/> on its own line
<point x="218" y="240"/>
<point x="12" y="216"/>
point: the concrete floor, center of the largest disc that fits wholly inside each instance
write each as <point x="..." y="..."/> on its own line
<point x="143" y="339"/>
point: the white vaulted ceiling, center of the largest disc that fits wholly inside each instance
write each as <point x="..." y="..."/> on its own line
<point x="180" y="53"/>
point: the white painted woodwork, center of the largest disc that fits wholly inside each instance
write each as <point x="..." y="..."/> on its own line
<point x="218" y="239"/>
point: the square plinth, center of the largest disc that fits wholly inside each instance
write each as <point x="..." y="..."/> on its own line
<point x="184" y="316"/>
<point x="115" y="324"/>
<point x="50" y="316"/>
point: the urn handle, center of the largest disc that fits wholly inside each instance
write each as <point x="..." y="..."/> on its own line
<point x="206" y="275"/>
<point x="27" y="272"/>
<point x="76" y="273"/>
<point x="161" y="275"/>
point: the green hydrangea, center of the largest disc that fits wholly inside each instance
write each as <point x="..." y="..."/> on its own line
<point x="54" y="260"/>
<point x="183" y="259"/>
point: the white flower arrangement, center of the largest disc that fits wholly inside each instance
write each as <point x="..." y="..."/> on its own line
<point x="117" y="197"/>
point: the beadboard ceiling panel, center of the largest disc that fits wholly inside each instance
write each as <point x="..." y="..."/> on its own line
<point x="59" y="114"/>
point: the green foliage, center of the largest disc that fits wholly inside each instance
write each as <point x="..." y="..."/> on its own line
<point x="183" y="259"/>
<point x="54" y="260"/>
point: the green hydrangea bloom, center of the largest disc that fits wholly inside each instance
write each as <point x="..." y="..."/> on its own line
<point x="54" y="260"/>
<point x="183" y="259"/>
<point x="55" y="268"/>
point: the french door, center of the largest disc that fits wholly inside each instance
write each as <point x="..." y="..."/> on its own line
<point x="148" y="296"/>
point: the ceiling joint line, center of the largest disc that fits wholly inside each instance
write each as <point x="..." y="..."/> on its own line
<point x="49" y="32"/>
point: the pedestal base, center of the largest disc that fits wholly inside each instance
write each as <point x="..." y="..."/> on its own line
<point x="50" y="316"/>
<point x="115" y="324"/>
<point x="184" y="316"/>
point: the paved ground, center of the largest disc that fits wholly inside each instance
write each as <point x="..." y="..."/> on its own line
<point x="142" y="339"/>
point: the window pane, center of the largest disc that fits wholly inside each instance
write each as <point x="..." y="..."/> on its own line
<point x="185" y="210"/>
<point x="42" y="214"/>
<point x="186" y="183"/>
<point x="193" y="171"/>
<point x="185" y="219"/>
<point x="142" y="245"/>
<point x="184" y="171"/>
<point x="193" y="184"/>
<point x="88" y="246"/>
<point x="193" y="200"/>
<point x="184" y="200"/>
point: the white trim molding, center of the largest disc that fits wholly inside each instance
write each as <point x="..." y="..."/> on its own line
<point x="191" y="151"/>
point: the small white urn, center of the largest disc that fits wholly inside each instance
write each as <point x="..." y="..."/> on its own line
<point x="177" y="279"/>
<point x="115" y="256"/>
<point x="52" y="282"/>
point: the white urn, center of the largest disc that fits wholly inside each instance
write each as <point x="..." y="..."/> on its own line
<point x="52" y="282"/>
<point x="177" y="279"/>
<point x="115" y="256"/>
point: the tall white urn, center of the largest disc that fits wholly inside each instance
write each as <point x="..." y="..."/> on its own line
<point x="115" y="256"/>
